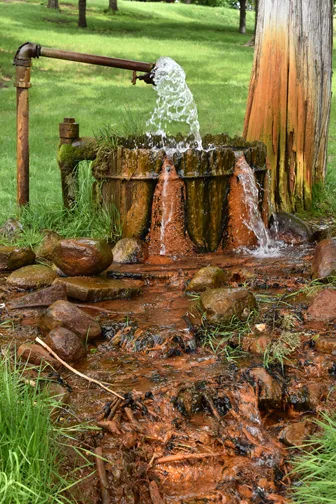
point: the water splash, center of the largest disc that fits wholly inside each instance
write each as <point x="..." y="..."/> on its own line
<point x="175" y="102"/>
<point x="167" y="210"/>
<point x="267" y="246"/>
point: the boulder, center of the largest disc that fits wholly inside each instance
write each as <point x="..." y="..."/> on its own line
<point x="42" y="298"/>
<point x="290" y="229"/>
<point x="82" y="256"/>
<point x="323" y="306"/>
<point x="220" y="305"/>
<point x="67" y="345"/>
<point x="209" y="277"/>
<point x="31" y="277"/>
<point x="12" y="258"/>
<point x="324" y="261"/>
<point x="37" y="355"/>
<point x="65" y="314"/>
<point x="96" y="289"/>
<point x="130" y="250"/>
<point x="47" y="246"/>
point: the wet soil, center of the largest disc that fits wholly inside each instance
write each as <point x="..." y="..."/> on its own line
<point x="195" y="425"/>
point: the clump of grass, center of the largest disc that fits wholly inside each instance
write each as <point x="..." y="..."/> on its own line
<point x="86" y="218"/>
<point x="278" y="351"/>
<point x="316" y="468"/>
<point x="30" y="445"/>
<point x="225" y="339"/>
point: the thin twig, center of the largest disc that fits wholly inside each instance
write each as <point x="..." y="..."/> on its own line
<point x="154" y="493"/>
<point x="97" y="308"/>
<point x="185" y="456"/>
<point x="78" y="373"/>
<point x="104" y="485"/>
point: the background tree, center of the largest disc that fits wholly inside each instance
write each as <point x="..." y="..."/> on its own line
<point x="242" y="16"/>
<point x="82" y="13"/>
<point x="53" y="4"/>
<point x="289" y="98"/>
<point x="113" y="5"/>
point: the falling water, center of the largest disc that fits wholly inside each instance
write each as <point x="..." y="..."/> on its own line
<point x="167" y="211"/>
<point x="267" y="246"/>
<point x="175" y="102"/>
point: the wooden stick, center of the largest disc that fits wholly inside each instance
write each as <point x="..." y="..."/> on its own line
<point x="102" y="310"/>
<point x="104" y="485"/>
<point x="185" y="456"/>
<point x="154" y="493"/>
<point x="113" y="410"/>
<point x="78" y="373"/>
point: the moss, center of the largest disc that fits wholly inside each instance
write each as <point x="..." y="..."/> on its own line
<point x="70" y="155"/>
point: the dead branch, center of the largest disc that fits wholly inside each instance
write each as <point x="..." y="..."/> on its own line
<point x="155" y="494"/>
<point x="104" y="485"/>
<point x="78" y="373"/>
<point x="178" y="458"/>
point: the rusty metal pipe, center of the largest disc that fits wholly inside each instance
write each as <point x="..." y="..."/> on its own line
<point x="92" y="59"/>
<point x="22" y="61"/>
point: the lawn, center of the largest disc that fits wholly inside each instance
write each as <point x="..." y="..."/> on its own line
<point x="203" y="40"/>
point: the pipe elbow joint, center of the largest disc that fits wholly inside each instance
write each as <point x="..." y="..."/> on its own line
<point x="25" y="53"/>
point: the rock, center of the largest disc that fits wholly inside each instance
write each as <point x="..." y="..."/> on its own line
<point x="322" y="233"/>
<point x="256" y="344"/>
<point x="36" y="355"/>
<point x="65" y="314"/>
<point x="326" y="345"/>
<point x="294" y="434"/>
<point x="209" y="277"/>
<point x="11" y="228"/>
<point x="98" y="289"/>
<point x="12" y="258"/>
<point x="324" y="262"/>
<point x="46" y="248"/>
<point x="290" y="229"/>
<point x="57" y="392"/>
<point x="31" y="277"/>
<point x="130" y="250"/>
<point x="323" y="306"/>
<point x="269" y="388"/>
<point x="82" y="256"/>
<point x="68" y="346"/>
<point x="43" y="298"/>
<point x="220" y="305"/>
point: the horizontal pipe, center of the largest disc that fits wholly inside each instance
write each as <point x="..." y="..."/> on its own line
<point x="139" y="66"/>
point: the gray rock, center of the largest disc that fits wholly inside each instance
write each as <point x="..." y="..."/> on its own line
<point x="12" y="258"/>
<point x="220" y="305"/>
<point x="11" y="228"/>
<point x="31" y="277"/>
<point x="209" y="277"/>
<point x="130" y="250"/>
<point x="290" y="229"/>
<point x="43" y="298"/>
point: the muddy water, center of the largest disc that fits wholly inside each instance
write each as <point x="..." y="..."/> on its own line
<point x="203" y="428"/>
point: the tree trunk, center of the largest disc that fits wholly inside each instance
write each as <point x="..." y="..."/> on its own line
<point x="82" y="13"/>
<point x="113" y="5"/>
<point x="256" y="8"/>
<point x="53" y="4"/>
<point x="289" y="98"/>
<point x="242" y="18"/>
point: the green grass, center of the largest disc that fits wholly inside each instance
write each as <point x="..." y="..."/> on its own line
<point x="30" y="445"/>
<point x="316" y="467"/>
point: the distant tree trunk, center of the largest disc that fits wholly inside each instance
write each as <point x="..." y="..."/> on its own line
<point x="113" y="5"/>
<point x="256" y="8"/>
<point x="53" y="4"/>
<point x="82" y="13"/>
<point x="289" y="98"/>
<point x="188" y="2"/>
<point x="242" y="19"/>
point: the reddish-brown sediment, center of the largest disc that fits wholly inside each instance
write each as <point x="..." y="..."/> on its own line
<point x="203" y="428"/>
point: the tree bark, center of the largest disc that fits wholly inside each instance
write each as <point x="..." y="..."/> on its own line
<point x="82" y="13"/>
<point x="53" y="4"/>
<point x="242" y="17"/>
<point x="289" y="98"/>
<point x="113" y="5"/>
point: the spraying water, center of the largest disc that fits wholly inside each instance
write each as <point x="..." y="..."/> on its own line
<point x="175" y="102"/>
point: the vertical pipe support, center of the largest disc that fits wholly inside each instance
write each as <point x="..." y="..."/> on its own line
<point x="68" y="158"/>
<point x="22" y="84"/>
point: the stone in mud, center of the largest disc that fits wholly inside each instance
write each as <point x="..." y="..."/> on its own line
<point x="324" y="262"/>
<point x="269" y="388"/>
<point x="43" y="298"/>
<point x="12" y="258"/>
<point x="82" y="256"/>
<point x="290" y="229"/>
<point x="323" y="306"/>
<point x="129" y="251"/>
<point x="98" y="289"/>
<point x="294" y="434"/>
<point x="46" y="248"/>
<point x="326" y="345"/>
<point x="209" y="277"/>
<point x="68" y="346"/>
<point x="31" y="277"/>
<point x="65" y="314"/>
<point x="256" y="345"/>
<point x="220" y="305"/>
<point x="36" y="355"/>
